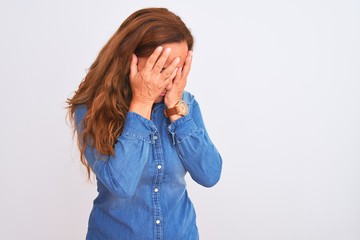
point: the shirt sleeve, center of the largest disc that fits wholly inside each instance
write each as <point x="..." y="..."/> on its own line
<point x="198" y="154"/>
<point x="120" y="173"/>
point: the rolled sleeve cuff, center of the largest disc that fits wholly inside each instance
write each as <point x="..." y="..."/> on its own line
<point x="183" y="127"/>
<point x="139" y="127"/>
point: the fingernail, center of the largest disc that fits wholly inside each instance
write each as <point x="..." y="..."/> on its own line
<point x="168" y="50"/>
<point x="177" y="60"/>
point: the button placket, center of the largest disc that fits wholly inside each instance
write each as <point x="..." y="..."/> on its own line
<point x="157" y="181"/>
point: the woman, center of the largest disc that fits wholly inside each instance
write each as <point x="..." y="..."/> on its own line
<point x="140" y="132"/>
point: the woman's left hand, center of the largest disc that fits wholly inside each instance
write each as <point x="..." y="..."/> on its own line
<point x="174" y="94"/>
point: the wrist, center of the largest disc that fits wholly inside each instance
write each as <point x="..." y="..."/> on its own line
<point x="172" y="103"/>
<point x="180" y="109"/>
<point x="174" y="117"/>
<point x="142" y="101"/>
<point x="142" y="108"/>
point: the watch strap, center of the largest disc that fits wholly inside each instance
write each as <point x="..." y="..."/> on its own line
<point x="171" y="111"/>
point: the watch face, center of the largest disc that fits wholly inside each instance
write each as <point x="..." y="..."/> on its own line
<point x="183" y="108"/>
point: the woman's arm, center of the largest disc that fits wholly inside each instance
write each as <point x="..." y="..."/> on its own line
<point x="121" y="172"/>
<point x="198" y="154"/>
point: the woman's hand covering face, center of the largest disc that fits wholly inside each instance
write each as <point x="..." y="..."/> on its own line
<point x="174" y="92"/>
<point x="148" y="82"/>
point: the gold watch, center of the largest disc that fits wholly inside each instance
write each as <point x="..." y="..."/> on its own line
<point x="180" y="108"/>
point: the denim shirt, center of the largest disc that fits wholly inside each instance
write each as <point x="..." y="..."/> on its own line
<point x="141" y="188"/>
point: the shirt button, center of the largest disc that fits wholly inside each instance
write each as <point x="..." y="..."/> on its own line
<point x="155" y="137"/>
<point x="159" y="166"/>
<point x="158" y="221"/>
<point x="156" y="189"/>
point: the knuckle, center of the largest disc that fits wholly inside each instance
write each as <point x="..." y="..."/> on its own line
<point x="167" y="75"/>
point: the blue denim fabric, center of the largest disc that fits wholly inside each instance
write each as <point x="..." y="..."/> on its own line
<point x="142" y="190"/>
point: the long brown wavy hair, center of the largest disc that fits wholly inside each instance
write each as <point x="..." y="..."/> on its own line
<point x="106" y="90"/>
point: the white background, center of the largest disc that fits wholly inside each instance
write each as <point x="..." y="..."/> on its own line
<point x="279" y="87"/>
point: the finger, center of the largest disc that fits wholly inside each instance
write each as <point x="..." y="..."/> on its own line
<point x="162" y="60"/>
<point x="187" y="65"/>
<point x="178" y="75"/>
<point x="133" y="66"/>
<point x="173" y="74"/>
<point x="167" y="72"/>
<point x="152" y="59"/>
<point x="166" y="82"/>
